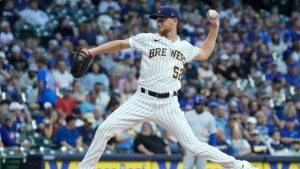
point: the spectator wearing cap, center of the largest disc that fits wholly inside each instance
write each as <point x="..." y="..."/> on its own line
<point x="68" y="136"/>
<point x="275" y="145"/>
<point x="257" y="145"/>
<point x="65" y="103"/>
<point x="250" y="126"/>
<point x="46" y="83"/>
<point x="9" y="131"/>
<point x="203" y="125"/>
<point x="86" y="131"/>
<point x="23" y="119"/>
<point x="289" y="132"/>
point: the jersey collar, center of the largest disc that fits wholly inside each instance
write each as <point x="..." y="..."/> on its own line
<point x="163" y="37"/>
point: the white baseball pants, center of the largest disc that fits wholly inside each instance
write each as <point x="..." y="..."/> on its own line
<point x="165" y="112"/>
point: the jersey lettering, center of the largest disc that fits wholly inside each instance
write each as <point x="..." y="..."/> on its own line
<point x="163" y="52"/>
<point x="157" y="52"/>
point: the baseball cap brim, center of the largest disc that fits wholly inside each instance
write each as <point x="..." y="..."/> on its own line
<point x="155" y="16"/>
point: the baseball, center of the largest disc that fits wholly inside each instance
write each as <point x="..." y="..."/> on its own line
<point x="212" y="14"/>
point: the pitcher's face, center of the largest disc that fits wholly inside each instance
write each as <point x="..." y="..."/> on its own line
<point x="165" y="25"/>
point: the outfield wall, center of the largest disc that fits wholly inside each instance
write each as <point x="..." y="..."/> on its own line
<point x="162" y="162"/>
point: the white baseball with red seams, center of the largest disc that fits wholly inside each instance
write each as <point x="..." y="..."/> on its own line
<point x="161" y="68"/>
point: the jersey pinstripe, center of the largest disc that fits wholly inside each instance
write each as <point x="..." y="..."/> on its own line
<point x="162" y="61"/>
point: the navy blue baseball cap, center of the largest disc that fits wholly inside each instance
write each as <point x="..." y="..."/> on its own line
<point x="199" y="99"/>
<point x="166" y="12"/>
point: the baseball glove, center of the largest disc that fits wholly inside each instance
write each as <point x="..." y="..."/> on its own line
<point x="82" y="60"/>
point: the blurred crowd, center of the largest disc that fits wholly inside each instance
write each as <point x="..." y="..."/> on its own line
<point x="251" y="83"/>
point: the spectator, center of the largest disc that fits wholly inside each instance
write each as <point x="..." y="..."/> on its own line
<point x="86" y="131"/>
<point x="240" y="146"/>
<point x="125" y="141"/>
<point x="221" y="143"/>
<point x="292" y="77"/>
<point x="102" y="95"/>
<point x="33" y="15"/>
<point x="222" y="67"/>
<point x="258" y="146"/>
<point x="78" y="92"/>
<point x="106" y="4"/>
<point x="46" y="83"/>
<point x="66" y="103"/>
<point x="276" y="147"/>
<point x="97" y="74"/>
<point x="9" y="132"/>
<point x="205" y="72"/>
<point x="68" y="136"/>
<point x="148" y="143"/>
<point x="289" y="133"/>
<point x="98" y="117"/>
<point x="6" y="35"/>
<point x="17" y="59"/>
<point x="62" y="77"/>
<point x="250" y="126"/>
<point x="23" y="118"/>
<point x="28" y="83"/>
<point x="262" y="126"/>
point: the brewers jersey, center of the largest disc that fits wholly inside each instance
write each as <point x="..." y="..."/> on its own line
<point x="162" y="61"/>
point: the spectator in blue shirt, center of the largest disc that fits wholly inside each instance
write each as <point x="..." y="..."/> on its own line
<point x="46" y="83"/>
<point x="289" y="133"/>
<point x="292" y="77"/>
<point x="68" y="135"/>
<point x="9" y="131"/>
<point x="86" y="131"/>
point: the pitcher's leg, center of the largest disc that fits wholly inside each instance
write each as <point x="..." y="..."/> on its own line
<point x="126" y="116"/>
<point x="175" y="122"/>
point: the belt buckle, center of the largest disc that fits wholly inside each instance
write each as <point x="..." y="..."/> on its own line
<point x="156" y="94"/>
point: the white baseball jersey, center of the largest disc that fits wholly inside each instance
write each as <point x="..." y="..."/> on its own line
<point x="161" y="67"/>
<point x="162" y="61"/>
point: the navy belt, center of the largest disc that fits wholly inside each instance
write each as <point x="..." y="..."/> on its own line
<point x="158" y="95"/>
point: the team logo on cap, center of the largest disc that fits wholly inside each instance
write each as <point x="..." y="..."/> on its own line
<point x="172" y="14"/>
